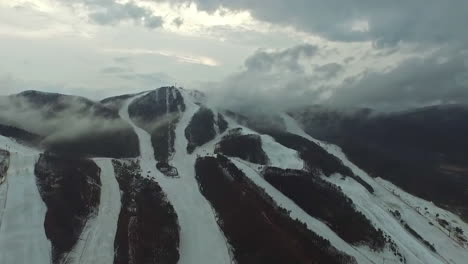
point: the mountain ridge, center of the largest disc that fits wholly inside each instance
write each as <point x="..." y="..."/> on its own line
<point x="215" y="182"/>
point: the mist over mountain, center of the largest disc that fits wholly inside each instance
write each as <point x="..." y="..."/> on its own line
<point x="68" y="124"/>
<point x="310" y="132"/>
<point x="167" y="176"/>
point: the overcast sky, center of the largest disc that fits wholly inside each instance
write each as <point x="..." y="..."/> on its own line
<point x="355" y="52"/>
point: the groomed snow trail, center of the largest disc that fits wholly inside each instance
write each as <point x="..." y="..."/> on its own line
<point x="281" y="156"/>
<point x="201" y="240"/>
<point x="376" y="207"/>
<point x="286" y="158"/>
<point x="96" y="243"/>
<point x="298" y="213"/>
<point x="22" y="234"/>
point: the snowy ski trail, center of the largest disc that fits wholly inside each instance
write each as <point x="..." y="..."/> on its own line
<point x="277" y="155"/>
<point x="201" y="240"/>
<point x="96" y="243"/>
<point x="376" y="207"/>
<point x="22" y="234"/>
<point x="298" y="213"/>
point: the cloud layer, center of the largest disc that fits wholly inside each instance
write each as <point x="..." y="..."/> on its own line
<point x="110" y="12"/>
<point x="384" y="22"/>
<point x="285" y="79"/>
<point x="272" y="54"/>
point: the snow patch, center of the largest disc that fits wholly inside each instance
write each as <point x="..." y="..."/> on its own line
<point x="201" y="240"/>
<point x="296" y="212"/>
<point x="22" y="234"/>
<point x="96" y="244"/>
<point x="388" y="197"/>
<point x="281" y="156"/>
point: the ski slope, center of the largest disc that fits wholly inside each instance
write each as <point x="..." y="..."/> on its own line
<point x="388" y="197"/>
<point x="296" y="212"/>
<point x="280" y="156"/>
<point x="22" y="234"/>
<point x="201" y="240"/>
<point x="96" y="243"/>
<point x="286" y="158"/>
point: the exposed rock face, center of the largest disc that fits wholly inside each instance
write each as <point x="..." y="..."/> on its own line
<point x="4" y="164"/>
<point x="328" y="203"/>
<point x="148" y="230"/>
<point x="257" y="229"/>
<point x="71" y="190"/>
<point x="158" y="112"/>
<point x="246" y="147"/>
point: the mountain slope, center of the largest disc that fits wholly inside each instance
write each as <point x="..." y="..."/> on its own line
<point x="206" y="186"/>
<point x="69" y="125"/>
<point x="407" y="148"/>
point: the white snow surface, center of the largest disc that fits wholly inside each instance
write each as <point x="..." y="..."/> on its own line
<point x="388" y="197"/>
<point x="22" y="211"/>
<point x="96" y="243"/>
<point x="312" y="223"/>
<point x="201" y="240"/>
<point x="281" y="156"/>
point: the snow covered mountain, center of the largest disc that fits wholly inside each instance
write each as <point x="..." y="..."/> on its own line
<point x="162" y="177"/>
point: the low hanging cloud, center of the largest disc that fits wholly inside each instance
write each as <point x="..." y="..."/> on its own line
<point x="269" y="82"/>
<point x="64" y="118"/>
<point x="288" y="60"/>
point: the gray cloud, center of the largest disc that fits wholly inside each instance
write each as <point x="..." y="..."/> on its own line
<point x="109" y="12"/>
<point x="288" y="60"/>
<point x="122" y="60"/>
<point x="348" y="59"/>
<point x="178" y="21"/>
<point x="389" y="22"/>
<point x="329" y="70"/>
<point x="270" y="81"/>
<point x="439" y="78"/>
<point x="152" y="79"/>
<point x="114" y="70"/>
